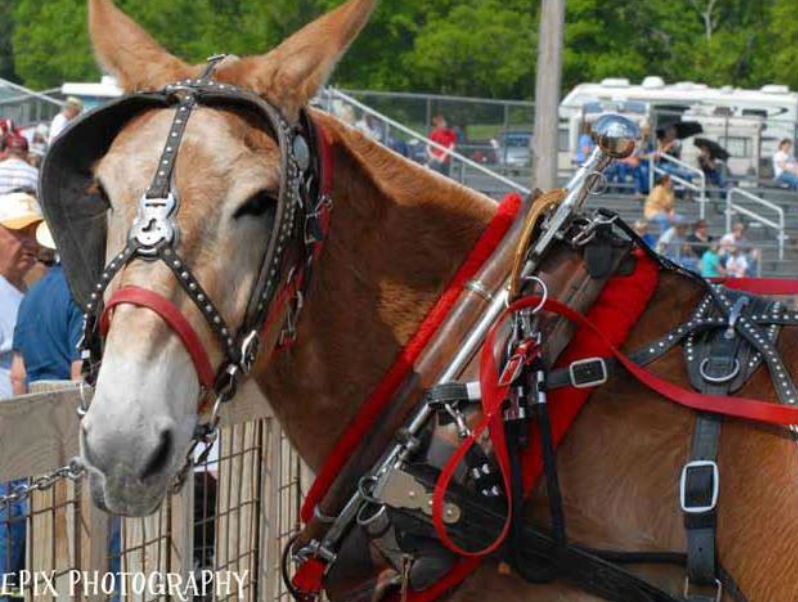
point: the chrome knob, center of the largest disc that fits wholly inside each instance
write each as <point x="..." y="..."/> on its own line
<point x="615" y="135"/>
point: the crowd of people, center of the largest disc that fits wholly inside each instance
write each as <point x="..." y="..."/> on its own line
<point x="40" y="324"/>
<point x="692" y="245"/>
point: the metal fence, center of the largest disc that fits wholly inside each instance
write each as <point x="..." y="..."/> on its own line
<point x="224" y="531"/>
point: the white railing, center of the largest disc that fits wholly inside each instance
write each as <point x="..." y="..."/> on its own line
<point x="700" y="176"/>
<point x="733" y="208"/>
<point x="331" y="94"/>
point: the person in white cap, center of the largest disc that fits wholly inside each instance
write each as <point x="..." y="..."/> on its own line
<point x="72" y="109"/>
<point x="20" y="216"/>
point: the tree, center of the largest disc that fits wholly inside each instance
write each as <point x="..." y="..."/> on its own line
<point x="482" y="47"/>
<point x="6" y="32"/>
<point x="783" y="44"/>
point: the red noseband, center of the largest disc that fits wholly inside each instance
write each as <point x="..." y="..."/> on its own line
<point x="169" y="313"/>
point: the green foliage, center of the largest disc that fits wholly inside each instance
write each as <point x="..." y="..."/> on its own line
<point x="6" y="31"/>
<point x="481" y="47"/>
<point x="462" y="47"/>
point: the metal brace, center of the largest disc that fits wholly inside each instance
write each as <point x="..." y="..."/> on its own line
<point x="399" y="489"/>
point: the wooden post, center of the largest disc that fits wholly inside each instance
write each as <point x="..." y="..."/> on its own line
<point x="547" y="94"/>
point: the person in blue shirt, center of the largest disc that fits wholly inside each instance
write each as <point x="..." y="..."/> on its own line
<point x="585" y="145"/>
<point x="49" y="327"/>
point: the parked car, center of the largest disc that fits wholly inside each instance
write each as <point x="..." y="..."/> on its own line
<point x="515" y="148"/>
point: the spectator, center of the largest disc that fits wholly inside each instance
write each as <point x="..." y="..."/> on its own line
<point x="673" y="245"/>
<point x="641" y="228"/>
<point x="737" y="241"/>
<point x="711" y="265"/>
<point x="660" y="204"/>
<point x="19" y="218"/>
<point x="710" y="167"/>
<point x="669" y="145"/>
<point x="737" y="265"/>
<point x="585" y="146"/>
<point x="371" y="127"/>
<point x="38" y="145"/>
<point x="49" y="327"/>
<point x="15" y="171"/>
<point x="784" y="165"/>
<point x="71" y="109"/>
<point x="440" y="160"/>
<point x="700" y="240"/>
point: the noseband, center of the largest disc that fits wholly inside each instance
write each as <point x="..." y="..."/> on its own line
<point x="300" y="226"/>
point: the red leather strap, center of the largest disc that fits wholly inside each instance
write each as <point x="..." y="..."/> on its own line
<point x="761" y="286"/>
<point x="736" y="407"/>
<point x="494" y="392"/>
<point x="169" y="313"/>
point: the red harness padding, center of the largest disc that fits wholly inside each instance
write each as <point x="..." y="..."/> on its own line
<point x="169" y="313"/>
<point x="403" y="364"/>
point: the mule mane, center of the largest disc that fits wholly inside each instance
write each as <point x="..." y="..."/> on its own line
<point x="398" y="234"/>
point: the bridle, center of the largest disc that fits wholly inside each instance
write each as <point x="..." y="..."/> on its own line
<point x="300" y="226"/>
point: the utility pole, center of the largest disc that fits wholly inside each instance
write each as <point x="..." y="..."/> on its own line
<point x="547" y="95"/>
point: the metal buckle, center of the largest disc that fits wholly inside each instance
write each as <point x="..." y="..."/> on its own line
<point x="588" y="377"/>
<point x="718" y="380"/>
<point x="698" y="464"/>
<point x="288" y="334"/>
<point x="249" y="351"/>
<point x="153" y="226"/>
<point x="718" y="590"/>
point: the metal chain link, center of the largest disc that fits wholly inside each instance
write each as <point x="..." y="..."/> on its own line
<point x="205" y="435"/>
<point x="74" y="471"/>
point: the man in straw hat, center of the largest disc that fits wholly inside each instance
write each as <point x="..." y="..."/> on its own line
<point x="72" y="108"/>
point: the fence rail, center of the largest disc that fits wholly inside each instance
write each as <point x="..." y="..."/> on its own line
<point x="736" y="208"/>
<point x="231" y="519"/>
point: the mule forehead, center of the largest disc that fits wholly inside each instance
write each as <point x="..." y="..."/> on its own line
<point x="223" y="157"/>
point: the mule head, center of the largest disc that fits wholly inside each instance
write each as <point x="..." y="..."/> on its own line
<point x="227" y="174"/>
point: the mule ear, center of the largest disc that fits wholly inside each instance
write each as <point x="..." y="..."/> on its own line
<point x="125" y="50"/>
<point x="293" y="72"/>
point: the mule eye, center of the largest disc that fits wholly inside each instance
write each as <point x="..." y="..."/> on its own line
<point x="257" y="205"/>
<point x="98" y="191"/>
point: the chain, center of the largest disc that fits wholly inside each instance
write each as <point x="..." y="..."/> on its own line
<point x="74" y="471"/>
<point x="205" y="435"/>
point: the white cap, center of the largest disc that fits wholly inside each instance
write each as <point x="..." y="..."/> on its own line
<point x="44" y="237"/>
<point x="19" y="210"/>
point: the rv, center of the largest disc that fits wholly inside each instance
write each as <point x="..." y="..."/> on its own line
<point x="747" y="123"/>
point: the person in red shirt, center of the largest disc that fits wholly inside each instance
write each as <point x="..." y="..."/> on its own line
<point x="441" y="160"/>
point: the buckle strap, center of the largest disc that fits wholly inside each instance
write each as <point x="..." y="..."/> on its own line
<point x="169" y="313"/>
<point x="699" y="487"/>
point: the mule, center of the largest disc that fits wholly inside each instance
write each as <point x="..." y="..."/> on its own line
<point x="398" y="234"/>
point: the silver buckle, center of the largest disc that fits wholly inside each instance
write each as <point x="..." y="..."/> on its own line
<point x="249" y="351"/>
<point x="583" y="384"/>
<point x="683" y="486"/>
<point x="718" y="589"/>
<point x="153" y="225"/>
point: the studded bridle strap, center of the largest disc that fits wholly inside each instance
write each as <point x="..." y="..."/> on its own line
<point x="169" y="313"/>
<point x="301" y="224"/>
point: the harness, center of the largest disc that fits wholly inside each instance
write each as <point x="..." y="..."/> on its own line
<point x="449" y="490"/>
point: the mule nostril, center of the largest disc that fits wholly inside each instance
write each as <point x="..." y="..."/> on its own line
<point x="160" y="456"/>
